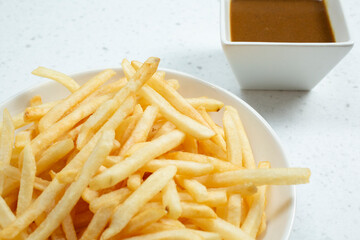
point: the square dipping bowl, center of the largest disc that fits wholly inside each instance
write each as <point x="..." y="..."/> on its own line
<point x="285" y="65"/>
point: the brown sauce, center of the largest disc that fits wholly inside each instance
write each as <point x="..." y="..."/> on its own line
<point x="280" y="21"/>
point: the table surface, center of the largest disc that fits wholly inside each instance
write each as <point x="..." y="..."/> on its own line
<point x="319" y="129"/>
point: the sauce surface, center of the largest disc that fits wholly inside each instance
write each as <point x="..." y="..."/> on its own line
<point x="280" y="21"/>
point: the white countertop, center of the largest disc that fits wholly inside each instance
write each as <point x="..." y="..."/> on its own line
<point x="319" y="129"/>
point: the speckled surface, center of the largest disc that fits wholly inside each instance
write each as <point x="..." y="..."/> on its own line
<point x="319" y="129"/>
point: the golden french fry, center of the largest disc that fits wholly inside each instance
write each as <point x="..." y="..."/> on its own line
<point x="194" y="188"/>
<point x="157" y="227"/>
<point x="233" y="139"/>
<point x="248" y="157"/>
<point x="171" y="200"/>
<point x="273" y="176"/>
<point x="58" y="110"/>
<point x="125" y="168"/>
<point x="210" y="104"/>
<point x="34" y="113"/>
<point x="243" y="189"/>
<point x="134" y="181"/>
<point x="61" y="78"/>
<point x="53" y="154"/>
<point x="73" y="193"/>
<point x="219" y="165"/>
<point x="186" y="168"/>
<point x="6" y="145"/>
<point x="218" y="139"/>
<point x="97" y="224"/>
<point x="7" y="217"/>
<point x="234" y="210"/>
<point x="68" y="228"/>
<point x="27" y="181"/>
<point x="226" y="230"/>
<point x="108" y="108"/>
<point x="142" y="220"/>
<point x="150" y="187"/>
<point x="196" y="210"/>
<point x="112" y="198"/>
<point x="180" y="234"/>
<point x="141" y="130"/>
<point x="181" y="121"/>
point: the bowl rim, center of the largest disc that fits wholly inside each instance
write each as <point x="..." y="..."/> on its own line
<point x="225" y="41"/>
<point x="266" y="125"/>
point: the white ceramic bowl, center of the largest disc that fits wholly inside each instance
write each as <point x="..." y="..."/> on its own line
<point x="265" y="143"/>
<point x="285" y="66"/>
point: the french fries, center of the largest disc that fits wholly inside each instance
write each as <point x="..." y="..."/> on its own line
<point x="131" y="159"/>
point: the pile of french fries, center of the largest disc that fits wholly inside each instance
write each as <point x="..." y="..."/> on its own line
<point x="130" y="158"/>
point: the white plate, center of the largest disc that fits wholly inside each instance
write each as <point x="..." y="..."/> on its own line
<point x="265" y="143"/>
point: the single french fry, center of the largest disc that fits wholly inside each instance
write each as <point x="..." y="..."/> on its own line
<point x="134" y="181"/>
<point x="263" y="224"/>
<point x="97" y="223"/>
<point x="258" y="177"/>
<point x="226" y="230"/>
<point x="34" y="113"/>
<point x="58" y="110"/>
<point x="115" y="197"/>
<point x="217" y="138"/>
<point x="68" y="228"/>
<point x="125" y="168"/>
<point x="194" y="188"/>
<point x="73" y="193"/>
<point x="53" y="154"/>
<point x="141" y="130"/>
<point x="6" y="145"/>
<point x="190" y="144"/>
<point x="210" y="104"/>
<point x="27" y="181"/>
<point x="210" y="148"/>
<point x="234" y="210"/>
<point x="180" y="234"/>
<point x="181" y="121"/>
<point x="215" y="198"/>
<point x="247" y="155"/>
<point x="171" y="200"/>
<point x="61" y="78"/>
<point x="108" y="108"/>
<point x="233" y="139"/>
<point x="243" y="189"/>
<point x="165" y="128"/>
<point x="196" y="210"/>
<point x="187" y="168"/>
<point x="150" y="187"/>
<point x="141" y="220"/>
<point x="219" y="165"/>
